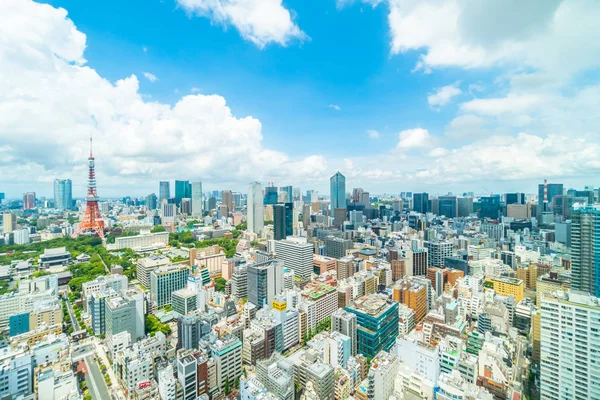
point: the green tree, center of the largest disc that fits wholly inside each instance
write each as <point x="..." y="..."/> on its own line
<point x="158" y="228"/>
<point x="220" y="284"/>
<point x="227" y="389"/>
<point x="236" y="383"/>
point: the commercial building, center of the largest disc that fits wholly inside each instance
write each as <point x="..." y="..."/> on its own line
<point x="29" y="201"/>
<point x="448" y="206"/>
<point x="421" y="203"/>
<point x="413" y="294"/>
<point x="184" y="301"/>
<point x="9" y="221"/>
<point x="507" y="287"/>
<point x="165" y="280"/>
<point x="345" y="322"/>
<point x="322" y="264"/>
<point x="227" y="353"/>
<point x="265" y="281"/>
<point x="437" y="251"/>
<point x="283" y="220"/>
<point x="63" y="194"/>
<point x="146" y="265"/>
<point x="337" y="185"/>
<point x="382" y="375"/>
<point x="187" y="374"/>
<point x="377" y="323"/>
<point x="570" y="342"/>
<point x="276" y="373"/>
<point x="296" y="255"/>
<point x="120" y="317"/>
<point x="16" y="374"/>
<point x="337" y="247"/>
<point x="164" y="192"/>
<point x="255" y="208"/>
<point x="553" y="189"/>
<point x="143" y="240"/>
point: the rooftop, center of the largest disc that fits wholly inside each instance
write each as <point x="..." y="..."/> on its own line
<point x="373" y="304"/>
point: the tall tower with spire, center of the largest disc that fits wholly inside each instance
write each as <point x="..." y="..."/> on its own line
<point x="92" y="220"/>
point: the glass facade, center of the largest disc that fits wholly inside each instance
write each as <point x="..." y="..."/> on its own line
<point x="376" y="332"/>
<point x="337" y="185"/>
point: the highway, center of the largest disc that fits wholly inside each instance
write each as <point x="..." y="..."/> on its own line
<point x="95" y="380"/>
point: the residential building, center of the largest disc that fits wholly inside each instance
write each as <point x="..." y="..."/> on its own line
<point x="16" y="374"/>
<point x="187" y="374"/>
<point x="585" y="249"/>
<point x="337" y="247"/>
<point x="382" y="375"/>
<point x="437" y="251"/>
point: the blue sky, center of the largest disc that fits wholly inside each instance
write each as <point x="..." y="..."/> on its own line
<point x="458" y="95"/>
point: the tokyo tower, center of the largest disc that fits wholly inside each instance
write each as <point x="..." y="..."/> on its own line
<point x="92" y="220"/>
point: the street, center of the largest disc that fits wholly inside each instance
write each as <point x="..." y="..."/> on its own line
<point x="95" y="380"/>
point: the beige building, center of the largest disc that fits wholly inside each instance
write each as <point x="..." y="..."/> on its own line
<point x="517" y="211"/>
<point x="45" y="316"/>
<point x="10" y="222"/>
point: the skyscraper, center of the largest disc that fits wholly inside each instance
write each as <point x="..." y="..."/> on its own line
<point x="227" y="200"/>
<point x="283" y="219"/>
<point x="197" y="199"/>
<point x="256" y="208"/>
<point x="289" y="190"/>
<point x="63" y="194"/>
<point x="337" y="185"/>
<point x="421" y="202"/>
<point x="270" y="194"/>
<point x="554" y="189"/>
<point x="296" y="255"/>
<point x="164" y="191"/>
<point x="585" y="249"/>
<point x="489" y="207"/>
<point x="151" y="201"/>
<point x="183" y="190"/>
<point x="448" y="206"/>
<point x="29" y="201"/>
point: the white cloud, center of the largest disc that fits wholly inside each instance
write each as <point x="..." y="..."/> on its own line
<point x="259" y="21"/>
<point x="50" y="102"/>
<point x="151" y="77"/>
<point x="443" y="95"/>
<point x="414" y="138"/>
<point x="335" y="107"/>
<point x="195" y="90"/>
<point x="438" y="152"/>
<point x="373" y="134"/>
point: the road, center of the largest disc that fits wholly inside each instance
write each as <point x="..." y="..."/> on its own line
<point x="95" y="380"/>
<point x="82" y="351"/>
<point x="74" y="322"/>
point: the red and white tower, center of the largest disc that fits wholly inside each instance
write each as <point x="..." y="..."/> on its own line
<point x="92" y="220"/>
<point x="545" y="195"/>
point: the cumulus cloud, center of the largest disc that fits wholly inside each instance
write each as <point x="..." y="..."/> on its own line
<point x="373" y="134"/>
<point x="51" y="101"/>
<point x="151" y="77"/>
<point x="259" y="21"/>
<point x="414" y="138"/>
<point x="443" y="95"/>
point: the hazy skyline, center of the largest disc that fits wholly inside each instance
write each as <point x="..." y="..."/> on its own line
<point x="425" y="96"/>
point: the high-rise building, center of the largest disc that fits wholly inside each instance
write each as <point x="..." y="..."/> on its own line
<point x="421" y="203"/>
<point x="296" y="255"/>
<point x="283" y="220"/>
<point x="227" y="353"/>
<point x="514" y="198"/>
<point x="344" y="322"/>
<point x="570" y="341"/>
<point x="151" y="202"/>
<point x="188" y="332"/>
<point x="29" y="201"/>
<point x="166" y="280"/>
<point x="545" y="199"/>
<point x="187" y="374"/>
<point x="489" y="207"/>
<point x="289" y="191"/>
<point x="146" y="265"/>
<point x="585" y="249"/>
<point x="377" y="321"/>
<point x="9" y="221"/>
<point x="337" y="185"/>
<point x="270" y="195"/>
<point x="336" y="247"/>
<point x="437" y="252"/>
<point x="197" y="203"/>
<point x="227" y="200"/>
<point x="183" y="190"/>
<point x="465" y="206"/>
<point x="164" y="191"/>
<point x="120" y="315"/>
<point x="448" y="206"/>
<point x="63" y="194"/>
<point x="256" y="208"/>
<point x="265" y="281"/>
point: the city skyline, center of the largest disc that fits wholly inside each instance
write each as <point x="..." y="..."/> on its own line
<point x="457" y="110"/>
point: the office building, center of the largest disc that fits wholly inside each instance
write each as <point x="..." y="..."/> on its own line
<point x="337" y="185"/>
<point x="16" y="374"/>
<point x="414" y="294"/>
<point x="570" y="342"/>
<point x="120" y="317"/>
<point x="514" y="198"/>
<point x="146" y="265"/>
<point x="197" y="203"/>
<point x="382" y="375"/>
<point x="420" y="261"/>
<point x="270" y="195"/>
<point x="189" y="331"/>
<point x="545" y="199"/>
<point x="421" y="203"/>
<point x="169" y="213"/>
<point x="337" y="247"/>
<point x="283" y="220"/>
<point x="227" y="201"/>
<point x="165" y="280"/>
<point x="265" y="281"/>
<point x="151" y="202"/>
<point x="184" y="301"/>
<point x="507" y="286"/>
<point x="21" y="236"/>
<point x="377" y="323"/>
<point x="183" y="190"/>
<point x="9" y="221"/>
<point x="437" y="253"/>
<point x="227" y="353"/>
<point x="465" y="206"/>
<point x="63" y="194"/>
<point x="448" y="206"/>
<point x="296" y="255"/>
<point x="164" y="192"/>
<point x="143" y="241"/>
<point x="187" y="374"/>
<point x="256" y="208"/>
<point x="344" y="322"/>
<point x="276" y="373"/>
<point x="489" y="207"/>
<point x="585" y="249"/>
<point x="29" y="201"/>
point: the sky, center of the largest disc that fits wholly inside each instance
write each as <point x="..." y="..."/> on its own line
<point x="398" y="95"/>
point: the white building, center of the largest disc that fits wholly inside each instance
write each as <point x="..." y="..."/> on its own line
<point x="16" y="374"/>
<point x="420" y="357"/>
<point x="197" y="203"/>
<point x="256" y="210"/>
<point x="21" y="236"/>
<point x="296" y="254"/>
<point x="143" y="240"/>
<point x="384" y="368"/>
<point x="167" y="384"/>
<point x="570" y="344"/>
